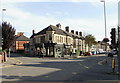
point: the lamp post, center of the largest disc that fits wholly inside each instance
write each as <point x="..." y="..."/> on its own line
<point x="3" y="13"/>
<point x="105" y="26"/>
<point x="105" y="18"/>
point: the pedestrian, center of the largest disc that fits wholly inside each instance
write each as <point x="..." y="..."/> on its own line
<point x="70" y="53"/>
<point x="80" y="53"/>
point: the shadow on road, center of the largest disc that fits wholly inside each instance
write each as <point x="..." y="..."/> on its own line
<point x="67" y="72"/>
<point x="63" y="71"/>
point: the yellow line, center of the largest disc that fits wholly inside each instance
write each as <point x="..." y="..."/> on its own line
<point x="19" y="62"/>
<point x="6" y="66"/>
<point x="46" y="76"/>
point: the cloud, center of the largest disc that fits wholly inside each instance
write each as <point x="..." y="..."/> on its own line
<point x="26" y="21"/>
<point x="90" y="26"/>
<point x="14" y="1"/>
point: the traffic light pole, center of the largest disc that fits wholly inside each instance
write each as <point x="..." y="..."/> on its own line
<point x="119" y="50"/>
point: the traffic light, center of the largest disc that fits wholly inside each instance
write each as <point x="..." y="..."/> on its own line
<point x="113" y="36"/>
<point x="2" y="41"/>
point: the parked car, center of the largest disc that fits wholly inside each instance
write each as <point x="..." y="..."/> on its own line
<point x="87" y="53"/>
<point x="93" y="53"/>
<point x="113" y="52"/>
<point x="100" y="51"/>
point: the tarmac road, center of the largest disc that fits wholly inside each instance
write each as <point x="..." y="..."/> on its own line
<point x="59" y="70"/>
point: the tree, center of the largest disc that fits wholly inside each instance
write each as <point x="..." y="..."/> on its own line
<point x="90" y="40"/>
<point x="8" y="35"/>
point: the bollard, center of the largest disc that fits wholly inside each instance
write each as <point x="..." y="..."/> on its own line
<point x="113" y="64"/>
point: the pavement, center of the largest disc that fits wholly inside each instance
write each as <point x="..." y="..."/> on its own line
<point x="108" y="63"/>
<point x="10" y="62"/>
<point x="13" y="61"/>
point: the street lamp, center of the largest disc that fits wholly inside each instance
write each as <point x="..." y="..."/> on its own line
<point x="105" y="18"/>
<point x="2" y="13"/>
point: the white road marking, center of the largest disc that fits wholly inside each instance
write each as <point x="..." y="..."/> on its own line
<point x="84" y="66"/>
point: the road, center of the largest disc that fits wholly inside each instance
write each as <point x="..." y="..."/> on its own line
<point x="54" y="70"/>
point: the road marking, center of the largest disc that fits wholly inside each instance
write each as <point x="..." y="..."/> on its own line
<point x="74" y="73"/>
<point x="102" y="62"/>
<point x="84" y="66"/>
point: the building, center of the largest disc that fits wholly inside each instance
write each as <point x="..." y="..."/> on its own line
<point x="20" y="40"/>
<point x="55" y="42"/>
<point x="0" y="39"/>
<point x="0" y="44"/>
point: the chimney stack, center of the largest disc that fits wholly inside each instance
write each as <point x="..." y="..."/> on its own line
<point x="19" y="33"/>
<point x="58" y="25"/>
<point x="67" y="28"/>
<point x="76" y="32"/>
<point x="72" y="31"/>
<point x="33" y="31"/>
<point x="80" y="33"/>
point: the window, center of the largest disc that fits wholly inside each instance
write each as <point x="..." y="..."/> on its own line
<point x="42" y="38"/>
<point x="65" y="39"/>
<point x="58" y="39"/>
<point x="62" y="40"/>
<point x="39" y="39"/>
<point x="74" y="42"/>
<point x="50" y="37"/>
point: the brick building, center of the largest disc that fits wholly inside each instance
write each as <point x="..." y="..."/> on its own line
<point x="20" y="40"/>
<point x="53" y="41"/>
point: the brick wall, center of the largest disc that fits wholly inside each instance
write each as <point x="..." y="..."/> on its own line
<point x="20" y="45"/>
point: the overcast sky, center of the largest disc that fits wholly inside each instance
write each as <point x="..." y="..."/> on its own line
<point x="80" y="15"/>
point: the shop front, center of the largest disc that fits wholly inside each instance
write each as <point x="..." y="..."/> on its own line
<point x="45" y="49"/>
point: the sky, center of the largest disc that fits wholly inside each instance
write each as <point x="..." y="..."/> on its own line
<point x="80" y="15"/>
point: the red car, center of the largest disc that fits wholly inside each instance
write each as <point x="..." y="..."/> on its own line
<point x="87" y="53"/>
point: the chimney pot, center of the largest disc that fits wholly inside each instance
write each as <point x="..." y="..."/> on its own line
<point x="72" y="31"/>
<point x="33" y="32"/>
<point x="76" y="32"/>
<point x="58" y="25"/>
<point x="80" y="33"/>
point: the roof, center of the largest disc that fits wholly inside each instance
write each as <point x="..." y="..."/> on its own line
<point x="22" y="38"/>
<point x="57" y="31"/>
<point x="53" y="28"/>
